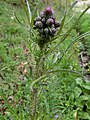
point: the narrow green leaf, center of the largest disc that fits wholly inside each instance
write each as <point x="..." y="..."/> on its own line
<point x="70" y="19"/>
<point x="62" y="24"/>
<point x="73" y="5"/>
<point x="46" y="105"/>
<point x="51" y="72"/>
<point x="65" y="70"/>
<point x="18" y="20"/>
<point x="26" y="11"/>
<point x="36" y="81"/>
<point x="29" y="11"/>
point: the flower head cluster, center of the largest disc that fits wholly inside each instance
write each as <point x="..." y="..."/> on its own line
<point x="45" y="23"/>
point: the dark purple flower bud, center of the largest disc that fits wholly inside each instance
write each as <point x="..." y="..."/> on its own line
<point x="52" y="17"/>
<point x="57" y="24"/>
<point x="53" y="26"/>
<point x="49" y="11"/>
<point x="46" y="31"/>
<point x="37" y="19"/>
<point x="50" y="32"/>
<point x="53" y="30"/>
<point x="39" y="24"/>
<point x="42" y="14"/>
<point x="43" y="20"/>
<point x="50" y="21"/>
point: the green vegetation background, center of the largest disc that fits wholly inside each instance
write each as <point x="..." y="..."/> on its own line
<point x="64" y="96"/>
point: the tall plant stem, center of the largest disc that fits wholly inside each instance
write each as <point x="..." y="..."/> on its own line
<point x="38" y="73"/>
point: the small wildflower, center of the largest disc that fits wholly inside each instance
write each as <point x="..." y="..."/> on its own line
<point x="56" y="116"/>
<point x="25" y="71"/>
<point x="2" y="101"/>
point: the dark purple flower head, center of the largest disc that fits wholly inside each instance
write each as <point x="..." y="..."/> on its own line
<point x="49" y="11"/>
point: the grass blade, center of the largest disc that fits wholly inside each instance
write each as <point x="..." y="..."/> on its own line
<point x="18" y="20"/>
<point x="29" y="11"/>
<point x="62" y="24"/>
<point x="73" y="5"/>
<point x="24" y="7"/>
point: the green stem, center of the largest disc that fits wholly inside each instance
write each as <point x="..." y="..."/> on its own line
<point x="34" y="89"/>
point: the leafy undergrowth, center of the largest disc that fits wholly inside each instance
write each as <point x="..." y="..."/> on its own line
<point x="63" y="96"/>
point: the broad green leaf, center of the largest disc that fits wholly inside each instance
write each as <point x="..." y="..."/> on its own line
<point x="77" y="92"/>
<point x="79" y="81"/>
<point x="71" y="98"/>
<point x="84" y="97"/>
<point x="86" y="87"/>
<point x="85" y="116"/>
<point x="88" y="104"/>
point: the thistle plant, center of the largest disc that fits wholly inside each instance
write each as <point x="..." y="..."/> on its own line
<point x="44" y="30"/>
<point x="46" y="25"/>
